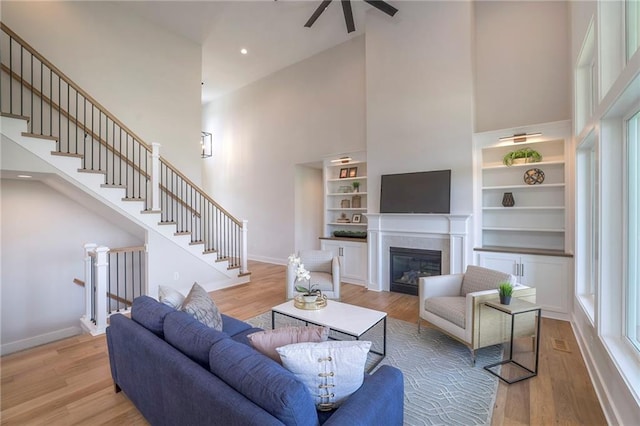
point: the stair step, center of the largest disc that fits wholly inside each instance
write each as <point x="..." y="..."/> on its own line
<point x="167" y="223"/>
<point x="195" y="243"/>
<point x="245" y="274"/>
<point x="133" y="199"/>
<point x="209" y="251"/>
<point x="103" y="172"/>
<point x="35" y="135"/>
<point x="112" y="185"/>
<point x="67" y="154"/>
<point x="19" y="117"/>
<point x="182" y="233"/>
<point x="151" y="211"/>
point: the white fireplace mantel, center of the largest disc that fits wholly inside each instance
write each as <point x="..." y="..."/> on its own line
<point x="416" y="231"/>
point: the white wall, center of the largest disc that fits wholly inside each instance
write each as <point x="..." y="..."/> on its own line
<point x="522" y="63"/>
<point x="420" y="96"/>
<point x="149" y="78"/>
<point x="40" y="302"/>
<point x="298" y="115"/>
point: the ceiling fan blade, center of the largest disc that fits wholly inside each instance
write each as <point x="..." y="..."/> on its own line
<point x="348" y="16"/>
<point x="317" y="13"/>
<point x="382" y="6"/>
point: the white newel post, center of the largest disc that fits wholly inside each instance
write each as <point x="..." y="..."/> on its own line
<point x="155" y="176"/>
<point x="88" y="248"/>
<point x="243" y="259"/>
<point x="101" y="265"/>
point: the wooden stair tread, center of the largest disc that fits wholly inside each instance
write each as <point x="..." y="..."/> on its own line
<point x="18" y="116"/>
<point x="182" y="233"/>
<point x="35" y="135"/>
<point x="133" y="199"/>
<point x="111" y="185"/>
<point x="151" y="211"/>
<point x="99" y="172"/>
<point x="67" y="154"/>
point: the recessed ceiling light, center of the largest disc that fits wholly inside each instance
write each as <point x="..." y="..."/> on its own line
<point x="244" y="51"/>
<point x="25" y="176"/>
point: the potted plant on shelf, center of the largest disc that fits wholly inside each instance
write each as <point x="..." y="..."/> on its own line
<point x="529" y="155"/>
<point x="310" y="292"/>
<point x="356" y="186"/>
<point x="505" y="290"/>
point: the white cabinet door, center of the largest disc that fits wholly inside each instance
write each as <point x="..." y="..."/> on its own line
<point x="551" y="277"/>
<point x="353" y="259"/>
<point x="503" y="262"/>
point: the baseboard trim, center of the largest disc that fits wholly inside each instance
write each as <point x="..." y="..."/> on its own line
<point x="28" y="343"/>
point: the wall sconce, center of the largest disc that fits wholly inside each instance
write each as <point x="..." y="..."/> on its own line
<point x="206" y="142"/>
<point x="519" y="137"/>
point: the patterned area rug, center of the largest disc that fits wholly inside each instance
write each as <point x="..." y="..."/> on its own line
<point x="441" y="385"/>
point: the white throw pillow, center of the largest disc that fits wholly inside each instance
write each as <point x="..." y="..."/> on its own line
<point x="170" y="296"/>
<point x="331" y="370"/>
<point x="199" y="304"/>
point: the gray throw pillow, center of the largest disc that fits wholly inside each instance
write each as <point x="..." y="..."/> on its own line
<point x="199" y="304"/>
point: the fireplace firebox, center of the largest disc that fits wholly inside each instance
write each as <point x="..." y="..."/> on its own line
<point x="408" y="265"/>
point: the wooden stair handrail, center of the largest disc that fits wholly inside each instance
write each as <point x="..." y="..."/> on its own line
<point x="105" y="111"/>
<point x="187" y="180"/>
<point x="109" y="295"/>
<point x="79" y="125"/>
<point x="70" y="82"/>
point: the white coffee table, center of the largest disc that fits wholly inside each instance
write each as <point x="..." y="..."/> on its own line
<point x="347" y="319"/>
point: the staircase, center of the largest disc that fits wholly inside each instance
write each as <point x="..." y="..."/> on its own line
<point x="49" y="116"/>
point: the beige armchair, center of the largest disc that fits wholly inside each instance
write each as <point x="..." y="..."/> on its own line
<point x="454" y="304"/>
<point x="324" y="268"/>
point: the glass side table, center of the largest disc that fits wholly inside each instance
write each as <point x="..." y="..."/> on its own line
<point x="517" y="307"/>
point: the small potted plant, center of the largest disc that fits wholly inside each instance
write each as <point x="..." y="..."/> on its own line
<point x="310" y="292"/>
<point x="356" y="186"/>
<point x="529" y="155"/>
<point x="505" y="290"/>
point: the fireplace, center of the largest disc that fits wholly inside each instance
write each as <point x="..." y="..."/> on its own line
<point x="407" y="265"/>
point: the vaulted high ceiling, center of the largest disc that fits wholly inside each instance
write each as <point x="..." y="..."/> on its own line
<point x="273" y="33"/>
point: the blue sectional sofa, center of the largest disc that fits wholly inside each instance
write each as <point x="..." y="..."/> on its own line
<point x="177" y="371"/>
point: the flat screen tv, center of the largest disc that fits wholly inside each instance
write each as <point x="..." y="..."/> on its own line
<point x="420" y="192"/>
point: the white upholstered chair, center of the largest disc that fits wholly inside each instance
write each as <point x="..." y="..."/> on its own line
<point x="324" y="268"/>
<point x="454" y="304"/>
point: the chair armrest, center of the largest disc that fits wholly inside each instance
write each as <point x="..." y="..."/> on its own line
<point x="379" y="401"/>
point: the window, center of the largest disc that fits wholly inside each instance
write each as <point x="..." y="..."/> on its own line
<point x="588" y="225"/>
<point x="633" y="230"/>
<point x="632" y="26"/>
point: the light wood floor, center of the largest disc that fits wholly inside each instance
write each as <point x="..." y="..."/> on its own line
<point x="69" y="382"/>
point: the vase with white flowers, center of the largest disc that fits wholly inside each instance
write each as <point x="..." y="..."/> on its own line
<point x="310" y="292"/>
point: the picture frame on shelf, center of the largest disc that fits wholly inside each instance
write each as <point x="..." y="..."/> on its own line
<point x="344" y="173"/>
<point x="356" y="218"/>
<point x="353" y="172"/>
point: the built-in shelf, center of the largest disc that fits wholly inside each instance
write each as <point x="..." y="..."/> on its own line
<point x="495" y="228"/>
<point x="527" y="187"/>
<point x="348" y="224"/>
<point x="523" y="165"/>
<point x="525" y="208"/>
<point x="347" y="179"/>
<point x="352" y="209"/>
<point x="345" y="194"/>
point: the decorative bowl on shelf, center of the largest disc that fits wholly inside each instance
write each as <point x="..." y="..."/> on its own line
<point x="350" y="234"/>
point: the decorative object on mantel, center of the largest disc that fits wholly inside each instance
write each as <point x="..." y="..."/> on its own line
<point x="508" y="200"/>
<point x="533" y="176"/>
<point x="345" y="204"/>
<point x="525" y="155"/>
<point x="356" y="186"/>
<point x="356" y="218"/>
<point x="505" y="291"/>
<point x="356" y="201"/>
<point x="350" y="234"/>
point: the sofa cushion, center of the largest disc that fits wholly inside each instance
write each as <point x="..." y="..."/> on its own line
<point x="267" y="341"/>
<point x="242" y="336"/>
<point x="263" y="381"/>
<point x="477" y="278"/>
<point x="332" y="370"/>
<point x="317" y="260"/>
<point x="191" y="337"/>
<point x="233" y="326"/>
<point x="453" y="309"/>
<point x="199" y="304"/>
<point x="150" y="314"/>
